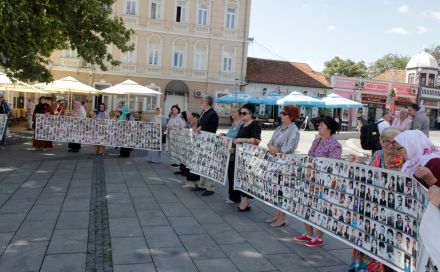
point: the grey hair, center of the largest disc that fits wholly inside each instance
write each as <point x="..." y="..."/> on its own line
<point x="389" y="132"/>
<point x="386" y="112"/>
<point x="208" y="99"/>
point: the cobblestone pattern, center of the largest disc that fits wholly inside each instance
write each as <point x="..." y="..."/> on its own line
<point x="99" y="253"/>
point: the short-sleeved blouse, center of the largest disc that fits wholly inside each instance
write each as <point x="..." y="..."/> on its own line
<point x="330" y="148"/>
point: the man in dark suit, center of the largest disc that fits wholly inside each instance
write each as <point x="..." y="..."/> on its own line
<point x="208" y="122"/>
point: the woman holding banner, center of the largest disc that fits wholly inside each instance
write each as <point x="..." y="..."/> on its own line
<point x="234" y="195"/>
<point x="78" y="112"/>
<point x="387" y="158"/>
<point x="249" y="133"/>
<point x="101" y="113"/>
<point x="155" y="156"/>
<point x="328" y="147"/>
<point x="423" y="162"/>
<point x="175" y="121"/>
<point x="284" y="140"/>
<point x="41" y="108"/>
<point x="124" y="152"/>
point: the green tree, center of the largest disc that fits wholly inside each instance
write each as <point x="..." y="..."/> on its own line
<point x="341" y="67"/>
<point x="388" y="62"/>
<point x="31" y="30"/>
<point x="434" y="51"/>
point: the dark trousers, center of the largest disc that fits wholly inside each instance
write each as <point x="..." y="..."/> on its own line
<point x="234" y="195"/>
<point x="124" y="152"/>
<point x="74" y="146"/>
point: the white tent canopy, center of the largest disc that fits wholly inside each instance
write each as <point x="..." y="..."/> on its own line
<point x="129" y="87"/>
<point x="334" y="101"/>
<point x="18" y="86"/>
<point x="67" y="84"/>
<point x="299" y="99"/>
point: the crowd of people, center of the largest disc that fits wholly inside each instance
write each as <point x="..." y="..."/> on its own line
<point x="422" y="160"/>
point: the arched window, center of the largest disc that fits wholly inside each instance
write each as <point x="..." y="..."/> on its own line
<point x="178" y="53"/>
<point x="154" y="50"/>
<point x="200" y="56"/>
<point x="228" y="60"/>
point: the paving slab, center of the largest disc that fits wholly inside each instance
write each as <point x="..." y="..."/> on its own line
<point x="68" y="241"/>
<point x="10" y="221"/>
<point x="73" y="220"/>
<point x="172" y="259"/>
<point x="290" y="263"/>
<point x="224" y="234"/>
<point x="264" y="243"/>
<point x="130" y="250"/>
<point x="152" y="218"/>
<point x="34" y="231"/>
<point x="73" y="262"/>
<point x="247" y="258"/>
<point x="121" y="211"/>
<point x="125" y="227"/>
<point x="148" y="267"/>
<point x="76" y="205"/>
<point x="201" y="246"/>
<point x="161" y="236"/>
<point x="215" y="265"/>
<point x="186" y="225"/>
<point x="23" y="256"/>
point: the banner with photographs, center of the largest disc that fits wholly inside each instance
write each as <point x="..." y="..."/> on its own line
<point x="181" y="145"/>
<point x="3" y="122"/>
<point x="210" y="157"/>
<point x="373" y="210"/>
<point x="129" y="134"/>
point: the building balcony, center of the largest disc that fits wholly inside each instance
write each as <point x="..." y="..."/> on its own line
<point x="71" y="62"/>
<point x="155" y="23"/>
<point x="230" y="31"/>
<point x="202" y="28"/>
<point x="153" y="69"/>
<point x="227" y="76"/>
<point x="200" y="73"/>
<point x="128" y="67"/>
<point x="179" y="72"/>
<point x="130" y="19"/>
<point x="180" y="27"/>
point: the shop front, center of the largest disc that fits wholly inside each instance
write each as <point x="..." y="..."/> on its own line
<point x="374" y="106"/>
<point x="430" y="100"/>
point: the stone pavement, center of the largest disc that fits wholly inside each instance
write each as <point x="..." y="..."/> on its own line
<point x="77" y="212"/>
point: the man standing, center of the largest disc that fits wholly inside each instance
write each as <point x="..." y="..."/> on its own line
<point x="208" y="122"/>
<point x="30" y="107"/>
<point x="384" y="122"/>
<point x="4" y="109"/>
<point x="420" y="120"/>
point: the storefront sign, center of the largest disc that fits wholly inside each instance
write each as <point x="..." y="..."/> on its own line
<point x="404" y="101"/>
<point x="373" y="99"/>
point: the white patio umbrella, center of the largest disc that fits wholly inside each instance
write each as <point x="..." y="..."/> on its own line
<point x="129" y="87"/>
<point x="334" y="101"/>
<point x="299" y="99"/>
<point x="7" y="84"/>
<point x="67" y="84"/>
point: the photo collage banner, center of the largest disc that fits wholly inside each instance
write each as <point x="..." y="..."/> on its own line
<point x="108" y="132"/>
<point x="181" y="145"/>
<point x="205" y="154"/>
<point x="3" y="122"/>
<point x="373" y="210"/>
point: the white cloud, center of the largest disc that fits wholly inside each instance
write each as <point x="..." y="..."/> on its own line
<point x="422" y="29"/>
<point x="398" y="30"/>
<point x="331" y="28"/>
<point x="403" y="8"/>
<point x="436" y="14"/>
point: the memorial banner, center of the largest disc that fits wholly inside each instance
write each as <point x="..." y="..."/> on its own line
<point x="371" y="209"/>
<point x="3" y="122"/>
<point x="210" y="157"/>
<point x="129" y="134"/>
<point x="181" y="145"/>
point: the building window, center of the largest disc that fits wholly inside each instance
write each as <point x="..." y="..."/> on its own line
<point x="431" y="80"/>
<point x="155" y="10"/>
<point x="180" y="11"/>
<point x="230" y="18"/>
<point x="128" y="57"/>
<point x="200" y="59"/>
<point x="69" y="54"/>
<point x="130" y="7"/>
<point x="412" y="78"/>
<point x="227" y="62"/>
<point x="422" y="79"/>
<point x="153" y="56"/>
<point x="202" y="15"/>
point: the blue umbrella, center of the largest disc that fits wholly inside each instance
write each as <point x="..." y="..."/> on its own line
<point x="237" y="98"/>
<point x="271" y="99"/>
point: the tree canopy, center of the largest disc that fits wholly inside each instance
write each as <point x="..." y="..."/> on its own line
<point x="388" y="62"/>
<point x="31" y="30"/>
<point x="434" y="51"/>
<point x="341" y="67"/>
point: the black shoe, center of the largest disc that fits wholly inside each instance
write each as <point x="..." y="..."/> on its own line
<point x="247" y="209"/>
<point x="178" y="173"/>
<point x="174" y="165"/>
<point x="198" y="189"/>
<point x="208" y="193"/>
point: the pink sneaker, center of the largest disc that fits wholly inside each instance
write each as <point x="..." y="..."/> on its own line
<point x="302" y="238"/>
<point x="314" y="243"/>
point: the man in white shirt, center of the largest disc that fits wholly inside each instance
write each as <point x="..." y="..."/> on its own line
<point x="384" y="122"/>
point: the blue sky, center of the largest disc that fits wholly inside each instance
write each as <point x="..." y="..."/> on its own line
<point x="315" y="31"/>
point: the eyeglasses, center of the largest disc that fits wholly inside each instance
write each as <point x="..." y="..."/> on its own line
<point x="244" y="113"/>
<point x="386" y="142"/>
<point x="283" y="113"/>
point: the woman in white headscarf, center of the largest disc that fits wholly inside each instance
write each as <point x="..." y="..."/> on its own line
<point x="155" y="156"/>
<point x="78" y="112"/>
<point x="423" y="162"/>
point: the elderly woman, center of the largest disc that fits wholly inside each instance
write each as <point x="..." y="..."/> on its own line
<point x="101" y="113"/>
<point x="78" y="112"/>
<point x="423" y="162"/>
<point x="124" y="152"/>
<point x="328" y="147"/>
<point x="284" y="140"/>
<point x="403" y="122"/>
<point x="387" y="158"/>
<point x="191" y="178"/>
<point x="250" y="133"/>
<point x="41" y="108"/>
<point x="234" y="195"/>
<point x="175" y="121"/>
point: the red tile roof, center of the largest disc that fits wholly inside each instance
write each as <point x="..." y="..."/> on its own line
<point x="398" y="76"/>
<point x="284" y="73"/>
